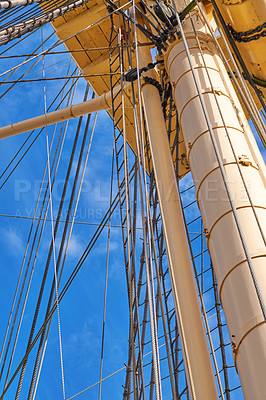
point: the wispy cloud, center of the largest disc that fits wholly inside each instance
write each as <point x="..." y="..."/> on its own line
<point x="13" y="239"/>
<point x="75" y="247"/>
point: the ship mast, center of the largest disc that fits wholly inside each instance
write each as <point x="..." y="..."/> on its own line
<point x="219" y="149"/>
<point x="230" y="189"/>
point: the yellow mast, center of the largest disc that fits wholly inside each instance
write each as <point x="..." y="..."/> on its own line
<point x="246" y="21"/>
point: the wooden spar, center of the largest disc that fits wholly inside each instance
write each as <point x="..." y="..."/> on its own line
<point x="102" y="102"/>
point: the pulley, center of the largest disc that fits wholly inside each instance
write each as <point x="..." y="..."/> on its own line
<point x="165" y="13"/>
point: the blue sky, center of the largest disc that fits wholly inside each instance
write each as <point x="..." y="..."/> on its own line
<point x="82" y="308"/>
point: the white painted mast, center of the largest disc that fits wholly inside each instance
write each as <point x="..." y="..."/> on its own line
<point x="230" y="188"/>
<point x="196" y="353"/>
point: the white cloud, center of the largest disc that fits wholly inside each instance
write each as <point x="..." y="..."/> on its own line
<point x="75" y="247"/>
<point x="13" y="240"/>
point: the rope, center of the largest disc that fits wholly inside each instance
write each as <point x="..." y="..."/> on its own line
<point x="18" y="30"/>
<point x="67" y="221"/>
<point x="148" y="261"/>
<point x="56" y="78"/>
<point x="31" y="252"/>
<point x="106" y="273"/>
<point x="59" y="42"/>
<point x="32" y="269"/>
<point x="69" y="236"/>
<point x="34" y="140"/>
<point x="70" y="280"/>
<point x="53" y="239"/>
<point x="48" y="258"/>
<point x="107" y="377"/>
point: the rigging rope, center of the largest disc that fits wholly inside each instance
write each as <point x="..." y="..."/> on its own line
<point x="35" y="236"/>
<point x="73" y="51"/>
<point x="29" y="282"/>
<point x="64" y="231"/>
<point x="145" y="207"/>
<point x="13" y="70"/>
<point x="59" y="42"/>
<point x="53" y="238"/>
<point x="107" y="377"/>
<point x="48" y="259"/>
<point x="106" y="273"/>
<point x="70" y="280"/>
<point x="66" y="247"/>
<point x="24" y="27"/>
<point x="38" y="134"/>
